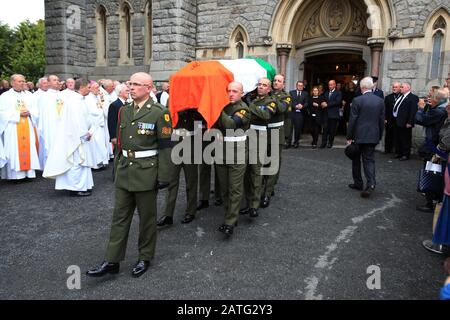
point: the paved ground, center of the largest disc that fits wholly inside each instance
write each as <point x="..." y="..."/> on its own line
<point x="316" y="241"/>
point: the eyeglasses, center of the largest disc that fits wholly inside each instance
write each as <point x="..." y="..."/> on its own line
<point x="135" y="84"/>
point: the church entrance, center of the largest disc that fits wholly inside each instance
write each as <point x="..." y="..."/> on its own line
<point x="345" y="68"/>
<point x="342" y="67"/>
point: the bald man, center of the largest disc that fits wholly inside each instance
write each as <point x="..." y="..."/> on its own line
<point x="143" y="166"/>
<point x="332" y="104"/>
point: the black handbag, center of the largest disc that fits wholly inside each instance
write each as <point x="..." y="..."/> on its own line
<point x="430" y="182"/>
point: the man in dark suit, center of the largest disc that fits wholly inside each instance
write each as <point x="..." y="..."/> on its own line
<point x="365" y="128"/>
<point x="375" y="90"/>
<point x="404" y="113"/>
<point x="122" y="92"/>
<point x="389" y="103"/>
<point x="300" y="103"/>
<point x="333" y="103"/>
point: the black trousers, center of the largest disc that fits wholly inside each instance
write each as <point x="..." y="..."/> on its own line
<point x="330" y="132"/>
<point x="315" y="131"/>
<point x="403" y="138"/>
<point x="389" y="138"/>
<point x="368" y="159"/>
<point x="298" y="120"/>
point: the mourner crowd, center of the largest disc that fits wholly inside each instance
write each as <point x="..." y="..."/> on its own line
<point x="67" y="129"/>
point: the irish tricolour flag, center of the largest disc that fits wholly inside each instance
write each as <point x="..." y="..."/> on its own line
<point x="202" y="85"/>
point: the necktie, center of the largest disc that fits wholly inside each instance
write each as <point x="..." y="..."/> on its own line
<point x="398" y="102"/>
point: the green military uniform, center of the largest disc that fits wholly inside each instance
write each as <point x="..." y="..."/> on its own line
<point x="185" y="130"/>
<point x="287" y="116"/>
<point x="231" y="176"/>
<point x="205" y="178"/>
<point x="261" y="109"/>
<point x="143" y="165"/>
<point x="277" y="123"/>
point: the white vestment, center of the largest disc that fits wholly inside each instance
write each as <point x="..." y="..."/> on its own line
<point x="10" y="104"/>
<point x="100" y="129"/>
<point x="70" y="161"/>
<point x="50" y="106"/>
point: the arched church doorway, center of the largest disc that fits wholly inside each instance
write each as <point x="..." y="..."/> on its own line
<point x="342" y="67"/>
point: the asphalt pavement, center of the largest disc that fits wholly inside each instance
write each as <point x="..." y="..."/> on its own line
<point x="317" y="240"/>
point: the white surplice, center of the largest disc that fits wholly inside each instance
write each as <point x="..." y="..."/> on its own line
<point x="100" y="129"/>
<point x="71" y="161"/>
<point x="50" y="106"/>
<point x="10" y="103"/>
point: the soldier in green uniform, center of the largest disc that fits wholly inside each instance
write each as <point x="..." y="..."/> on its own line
<point x="185" y="131"/>
<point x="261" y="109"/>
<point x="143" y="166"/>
<point x="276" y="124"/>
<point x="230" y="171"/>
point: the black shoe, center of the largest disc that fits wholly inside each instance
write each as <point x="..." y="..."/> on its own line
<point x="396" y="156"/>
<point x="287" y="146"/>
<point x="322" y="146"/>
<point x="140" y="268"/>
<point x="425" y="208"/>
<point x="404" y="158"/>
<point x="165" y="220"/>
<point x="80" y="193"/>
<point x="188" y="218"/>
<point x="329" y="146"/>
<point x="265" y="202"/>
<point x="244" y="211"/>
<point x="226" y="229"/>
<point x="355" y="186"/>
<point x="296" y="145"/>
<point x="314" y="146"/>
<point x="273" y="194"/>
<point x="203" y="205"/>
<point x="103" y="269"/>
<point x="367" y="192"/>
<point x="253" y="213"/>
<point x="218" y="202"/>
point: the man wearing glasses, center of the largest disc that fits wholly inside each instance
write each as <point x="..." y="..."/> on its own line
<point x="143" y="166"/>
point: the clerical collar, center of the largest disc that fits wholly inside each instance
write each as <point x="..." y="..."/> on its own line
<point x="17" y="91"/>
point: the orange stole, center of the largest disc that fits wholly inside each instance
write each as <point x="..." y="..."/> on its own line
<point x="23" y="141"/>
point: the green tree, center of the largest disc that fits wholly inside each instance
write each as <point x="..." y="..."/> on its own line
<point x="27" y="56"/>
<point x="6" y="44"/>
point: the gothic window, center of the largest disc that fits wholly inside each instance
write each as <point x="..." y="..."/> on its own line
<point x="125" y="34"/>
<point x="148" y="31"/>
<point x="436" y="55"/>
<point x="102" y="36"/>
<point x="238" y="44"/>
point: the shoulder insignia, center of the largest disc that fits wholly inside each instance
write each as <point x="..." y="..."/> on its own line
<point x="273" y="104"/>
<point x="243" y="112"/>
<point x="167" y="118"/>
<point x="288" y="99"/>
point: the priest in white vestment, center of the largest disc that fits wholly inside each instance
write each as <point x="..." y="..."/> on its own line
<point x="50" y="106"/>
<point x="100" y="138"/>
<point x="19" y="156"/>
<point x="71" y="161"/>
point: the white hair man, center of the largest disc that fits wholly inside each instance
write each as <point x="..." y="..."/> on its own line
<point x="20" y="155"/>
<point x="365" y="129"/>
<point x="122" y="91"/>
<point x="98" y="110"/>
<point x="49" y="105"/>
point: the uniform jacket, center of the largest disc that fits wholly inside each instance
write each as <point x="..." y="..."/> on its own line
<point x="149" y="129"/>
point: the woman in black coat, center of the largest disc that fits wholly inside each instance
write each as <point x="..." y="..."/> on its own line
<point x="318" y="115"/>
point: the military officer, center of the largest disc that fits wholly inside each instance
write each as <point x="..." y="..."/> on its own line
<point x="143" y="166"/>
<point x="185" y="131"/>
<point x="230" y="171"/>
<point x="261" y="108"/>
<point x="276" y="124"/>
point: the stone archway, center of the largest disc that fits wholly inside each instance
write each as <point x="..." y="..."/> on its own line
<point x="347" y="26"/>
